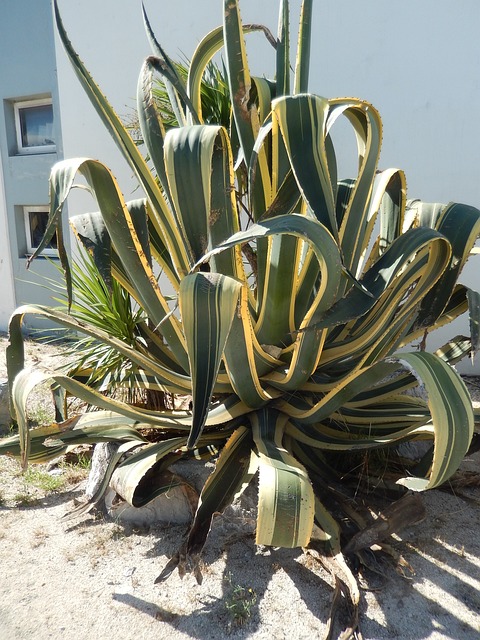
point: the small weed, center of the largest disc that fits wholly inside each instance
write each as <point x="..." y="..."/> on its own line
<point x="164" y="615"/>
<point x="73" y="474"/>
<point x="40" y="415"/>
<point x="42" y="480"/>
<point x="84" y="460"/>
<point x="239" y="602"/>
<point x="25" y="498"/>
<point x="76" y="465"/>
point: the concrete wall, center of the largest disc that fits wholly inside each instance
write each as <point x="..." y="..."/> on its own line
<point x="28" y="70"/>
<point x="416" y="62"/>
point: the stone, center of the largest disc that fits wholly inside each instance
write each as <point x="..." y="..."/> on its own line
<point x="176" y="506"/>
<point x="101" y="457"/>
<point x="172" y="507"/>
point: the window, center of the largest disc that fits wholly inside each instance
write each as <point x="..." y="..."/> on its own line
<point x="36" y="219"/>
<point x="34" y="126"/>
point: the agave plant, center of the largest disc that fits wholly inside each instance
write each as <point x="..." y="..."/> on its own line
<point x="295" y="294"/>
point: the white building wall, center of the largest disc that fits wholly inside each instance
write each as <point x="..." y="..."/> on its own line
<point x="418" y="63"/>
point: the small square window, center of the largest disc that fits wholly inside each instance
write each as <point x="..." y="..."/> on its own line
<point x="36" y="219"/>
<point x="34" y="126"/>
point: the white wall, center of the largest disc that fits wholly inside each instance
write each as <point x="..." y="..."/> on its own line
<point x="417" y="62"/>
<point x="113" y="47"/>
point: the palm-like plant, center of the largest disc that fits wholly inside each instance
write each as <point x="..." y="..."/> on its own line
<point x="110" y="308"/>
<point x="293" y="358"/>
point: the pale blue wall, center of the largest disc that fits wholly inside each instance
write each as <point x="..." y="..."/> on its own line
<point x="28" y="70"/>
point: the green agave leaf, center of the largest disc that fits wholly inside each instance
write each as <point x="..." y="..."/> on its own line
<point x="328" y="529"/>
<point x="203" y="54"/>
<point x="392" y="208"/>
<point x="307" y="346"/>
<point x="264" y="91"/>
<point x="86" y="507"/>
<point x="376" y="392"/>
<point x="235" y="467"/>
<point x="276" y="319"/>
<point x="163" y="215"/>
<point x="424" y="273"/>
<point x="124" y="239"/>
<point x="335" y="438"/>
<point x="25" y="381"/>
<point x="151" y="125"/>
<point x="208" y="303"/>
<point x="86" y="429"/>
<point x="474" y="309"/>
<point x="206" y="49"/>
<point x="20" y="390"/>
<point x="413" y="244"/>
<point x="245" y="115"/>
<point x="452" y="416"/>
<point x="286" y="502"/>
<point x="456" y="306"/>
<point x="171" y="381"/>
<point x="423" y="214"/>
<point x="38" y="452"/>
<point x="174" y="84"/>
<point x="367" y="125"/>
<point x="455" y="350"/>
<point x="302" y="65"/>
<point x="302" y="121"/>
<point x="92" y="435"/>
<point x="92" y="232"/>
<point x="200" y="172"/>
<point x="350" y="387"/>
<point x="246" y="361"/>
<point x="245" y="111"/>
<point x="460" y="224"/>
<point x="283" y="51"/>
<point x="233" y="472"/>
<point x="390" y="416"/>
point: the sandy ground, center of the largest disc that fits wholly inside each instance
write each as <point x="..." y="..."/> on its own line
<point x="95" y="579"/>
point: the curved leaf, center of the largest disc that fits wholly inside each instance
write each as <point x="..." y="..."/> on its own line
<point x="162" y="214"/>
<point x="200" y="173"/>
<point x="124" y="239"/>
<point x="286" y="503"/>
<point x="452" y="416"/>
<point x="207" y="304"/>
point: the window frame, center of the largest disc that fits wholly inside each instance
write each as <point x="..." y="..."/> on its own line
<point x="27" y="209"/>
<point x="25" y="104"/>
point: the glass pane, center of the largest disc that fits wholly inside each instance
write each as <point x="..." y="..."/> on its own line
<point x="37" y="226"/>
<point x="36" y="125"/>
